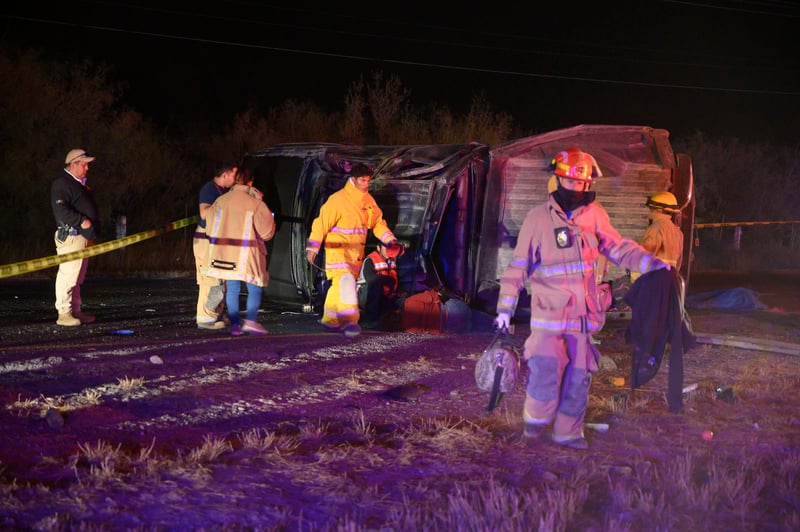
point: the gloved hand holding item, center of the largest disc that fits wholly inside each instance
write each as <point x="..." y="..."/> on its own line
<point x="394" y="249"/>
<point x="502" y="321"/>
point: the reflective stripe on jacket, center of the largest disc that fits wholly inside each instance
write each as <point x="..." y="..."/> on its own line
<point x="238" y="225"/>
<point x="380" y="267"/>
<point x="557" y="256"/>
<point x="343" y="223"/>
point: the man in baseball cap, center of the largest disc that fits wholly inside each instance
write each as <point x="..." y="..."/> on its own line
<point x="76" y="216"/>
<point x="78" y="155"/>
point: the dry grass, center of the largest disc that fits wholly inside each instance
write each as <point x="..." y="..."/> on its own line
<point x="688" y="489"/>
<point x="350" y="459"/>
<point x="128" y="384"/>
<point x="25" y="407"/>
<point x="91" y="397"/>
<point x="210" y="451"/>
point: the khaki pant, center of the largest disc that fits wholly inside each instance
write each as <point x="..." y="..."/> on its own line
<point x="70" y="274"/>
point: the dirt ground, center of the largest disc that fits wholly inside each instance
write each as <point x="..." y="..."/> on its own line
<point x="85" y="409"/>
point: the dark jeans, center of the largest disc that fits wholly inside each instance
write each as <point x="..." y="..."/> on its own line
<point x="232" y="300"/>
<point x="373" y="303"/>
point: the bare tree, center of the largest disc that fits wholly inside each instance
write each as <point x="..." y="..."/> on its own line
<point x="386" y="99"/>
<point x="482" y="124"/>
<point x="352" y="125"/>
<point x="50" y="107"/>
<point x="296" y="121"/>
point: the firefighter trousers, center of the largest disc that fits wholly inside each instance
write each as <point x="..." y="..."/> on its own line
<point x="341" y="301"/>
<point x="561" y="368"/>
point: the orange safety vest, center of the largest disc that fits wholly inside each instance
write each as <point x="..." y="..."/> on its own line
<point x="387" y="267"/>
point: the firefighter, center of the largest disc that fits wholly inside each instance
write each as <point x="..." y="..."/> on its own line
<point x="342" y="225"/>
<point x="601" y="268"/>
<point x="663" y="238"/>
<point x="556" y="252"/>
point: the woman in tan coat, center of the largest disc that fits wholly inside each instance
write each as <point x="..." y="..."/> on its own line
<point x="238" y="225"/>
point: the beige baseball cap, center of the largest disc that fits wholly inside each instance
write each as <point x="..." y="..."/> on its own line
<point x="78" y="155"/>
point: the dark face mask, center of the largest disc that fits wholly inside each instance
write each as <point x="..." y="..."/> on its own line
<point x="569" y="200"/>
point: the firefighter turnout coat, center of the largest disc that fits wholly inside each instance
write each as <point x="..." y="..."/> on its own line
<point x="343" y="223"/>
<point x="663" y="238"/>
<point x="557" y="255"/>
<point x="238" y="225"/>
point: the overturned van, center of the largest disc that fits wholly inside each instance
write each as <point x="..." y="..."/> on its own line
<point x="458" y="208"/>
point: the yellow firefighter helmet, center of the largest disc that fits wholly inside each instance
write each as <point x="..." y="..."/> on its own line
<point x="663" y="201"/>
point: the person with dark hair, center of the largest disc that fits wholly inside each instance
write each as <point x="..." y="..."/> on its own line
<point x="76" y="217"/>
<point x="556" y="253"/>
<point x="239" y="225"/>
<point x="211" y="291"/>
<point x="342" y="225"/>
<point x="378" y="284"/>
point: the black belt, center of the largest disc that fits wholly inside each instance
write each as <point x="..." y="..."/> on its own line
<point x="64" y="231"/>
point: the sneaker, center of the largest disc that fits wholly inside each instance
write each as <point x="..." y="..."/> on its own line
<point x="67" y="320"/>
<point x="579" y="443"/>
<point x="85" y="318"/>
<point x="211" y="325"/>
<point x="532" y="430"/>
<point x="253" y="327"/>
<point x="351" y="330"/>
<point x="236" y="330"/>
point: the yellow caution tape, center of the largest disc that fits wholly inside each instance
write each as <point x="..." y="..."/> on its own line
<point x="734" y="224"/>
<point x="28" y="266"/>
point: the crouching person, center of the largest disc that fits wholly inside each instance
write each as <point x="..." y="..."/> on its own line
<point x="378" y="284"/>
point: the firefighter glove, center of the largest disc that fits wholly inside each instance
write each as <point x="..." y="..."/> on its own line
<point x="502" y="321"/>
<point x="394" y="249"/>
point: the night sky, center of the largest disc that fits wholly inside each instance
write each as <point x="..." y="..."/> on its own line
<point x="722" y="67"/>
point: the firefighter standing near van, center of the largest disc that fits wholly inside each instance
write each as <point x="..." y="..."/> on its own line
<point x="342" y="225"/>
<point x="663" y="238"/>
<point x="556" y="252"/>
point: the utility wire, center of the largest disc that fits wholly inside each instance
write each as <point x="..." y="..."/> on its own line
<point x="411" y="63"/>
<point x="730" y="6"/>
<point x="471" y="32"/>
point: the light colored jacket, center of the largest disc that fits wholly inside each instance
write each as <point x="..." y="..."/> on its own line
<point x="663" y="239"/>
<point x="343" y="223"/>
<point x="558" y="257"/>
<point x="238" y="224"/>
